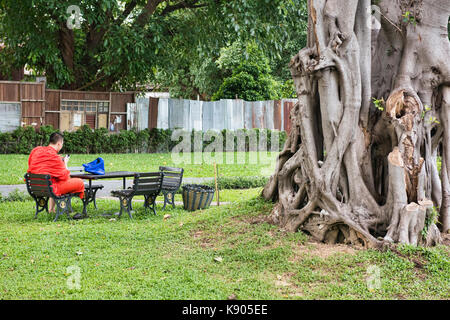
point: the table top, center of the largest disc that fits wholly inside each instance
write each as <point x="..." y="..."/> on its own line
<point x="107" y="175"/>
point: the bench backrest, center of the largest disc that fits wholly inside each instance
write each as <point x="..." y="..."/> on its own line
<point x="172" y="178"/>
<point x="147" y="183"/>
<point x="39" y="185"/>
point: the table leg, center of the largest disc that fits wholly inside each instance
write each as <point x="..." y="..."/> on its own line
<point x="124" y="183"/>
<point x="88" y="197"/>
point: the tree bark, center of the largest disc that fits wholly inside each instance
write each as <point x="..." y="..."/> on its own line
<point x="358" y="173"/>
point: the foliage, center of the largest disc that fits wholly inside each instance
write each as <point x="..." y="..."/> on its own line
<point x="231" y="183"/>
<point x="88" y="141"/>
<point x="250" y="77"/>
<point x="379" y="103"/>
<point x="239" y="182"/>
<point x="200" y="70"/>
<point x="15" y="195"/>
<point x="408" y="17"/>
<point x="288" y="89"/>
<point x="431" y="218"/>
<point x="121" y="43"/>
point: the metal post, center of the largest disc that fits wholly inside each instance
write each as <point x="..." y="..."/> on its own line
<point x="216" y="178"/>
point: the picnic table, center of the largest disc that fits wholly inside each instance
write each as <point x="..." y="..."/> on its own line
<point x="89" y="194"/>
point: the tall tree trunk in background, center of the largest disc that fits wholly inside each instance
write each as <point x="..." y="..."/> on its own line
<point x="362" y="173"/>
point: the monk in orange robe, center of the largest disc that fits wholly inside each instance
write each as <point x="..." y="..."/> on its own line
<point x="45" y="160"/>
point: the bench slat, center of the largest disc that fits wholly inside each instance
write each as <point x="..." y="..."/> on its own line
<point x="173" y="182"/>
<point x="141" y="181"/>
<point x="38" y="176"/>
<point x="149" y="174"/>
<point x="170" y="169"/>
<point x="41" y="193"/>
<point x="39" y="187"/>
<point x="172" y="178"/>
<point x="147" y="192"/>
<point x="153" y="183"/>
<point x="148" y="186"/>
<point x="94" y="186"/>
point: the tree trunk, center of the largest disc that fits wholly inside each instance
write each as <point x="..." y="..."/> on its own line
<point x="362" y="173"/>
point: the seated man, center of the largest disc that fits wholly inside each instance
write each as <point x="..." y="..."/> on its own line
<point x="45" y="160"/>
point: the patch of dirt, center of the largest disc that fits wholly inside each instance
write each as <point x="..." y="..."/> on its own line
<point x="204" y="241"/>
<point x="197" y="234"/>
<point x="321" y="250"/>
<point x="285" y="286"/>
<point x="252" y="220"/>
<point x="446" y="239"/>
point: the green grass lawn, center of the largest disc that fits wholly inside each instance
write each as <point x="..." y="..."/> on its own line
<point x="226" y="195"/>
<point x="207" y="254"/>
<point x="13" y="167"/>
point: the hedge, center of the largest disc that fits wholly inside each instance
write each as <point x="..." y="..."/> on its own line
<point x="224" y="183"/>
<point x="88" y="141"/>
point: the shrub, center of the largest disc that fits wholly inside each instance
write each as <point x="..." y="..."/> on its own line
<point x="88" y="141"/>
<point x="15" y="195"/>
<point x="236" y="183"/>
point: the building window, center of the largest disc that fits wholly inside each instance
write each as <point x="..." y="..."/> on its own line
<point x="85" y="106"/>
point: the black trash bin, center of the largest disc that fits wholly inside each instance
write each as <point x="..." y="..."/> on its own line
<point x="196" y="196"/>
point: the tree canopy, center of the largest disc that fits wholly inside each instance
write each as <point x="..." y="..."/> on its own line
<point x="120" y="44"/>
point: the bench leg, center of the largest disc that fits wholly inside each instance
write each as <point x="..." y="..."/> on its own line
<point x="173" y="199"/>
<point x="62" y="206"/>
<point x="125" y="204"/>
<point x="165" y="200"/>
<point x="149" y="203"/>
<point x="58" y="210"/>
<point x="69" y="204"/>
<point x="41" y="205"/>
<point x="169" y="197"/>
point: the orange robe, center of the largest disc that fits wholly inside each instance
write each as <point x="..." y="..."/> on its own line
<point x="45" y="160"/>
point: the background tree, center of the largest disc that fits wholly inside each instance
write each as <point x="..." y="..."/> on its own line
<point x="202" y="72"/>
<point x="361" y="172"/>
<point x="122" y="43"/>
<point x="247" y="74"/>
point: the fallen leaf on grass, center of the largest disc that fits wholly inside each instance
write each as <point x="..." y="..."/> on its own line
<point x="167" y="216"/>
<point x="218" y="259"/>
<point x="79" y="253"/>
<point x="232" y="297"/>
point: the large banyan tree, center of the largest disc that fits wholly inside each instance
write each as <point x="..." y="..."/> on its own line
<point x="372" y="120"/>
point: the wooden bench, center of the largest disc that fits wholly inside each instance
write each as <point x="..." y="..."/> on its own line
<point x="39" y="187"/>
<point x="92" y="192"/>
<point x="144" y="184"/>
<point x="171" y="183"/>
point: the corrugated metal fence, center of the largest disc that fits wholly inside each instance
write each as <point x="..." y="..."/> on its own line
<point x="210" y="115"/>
<point x="26" y="103"/>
